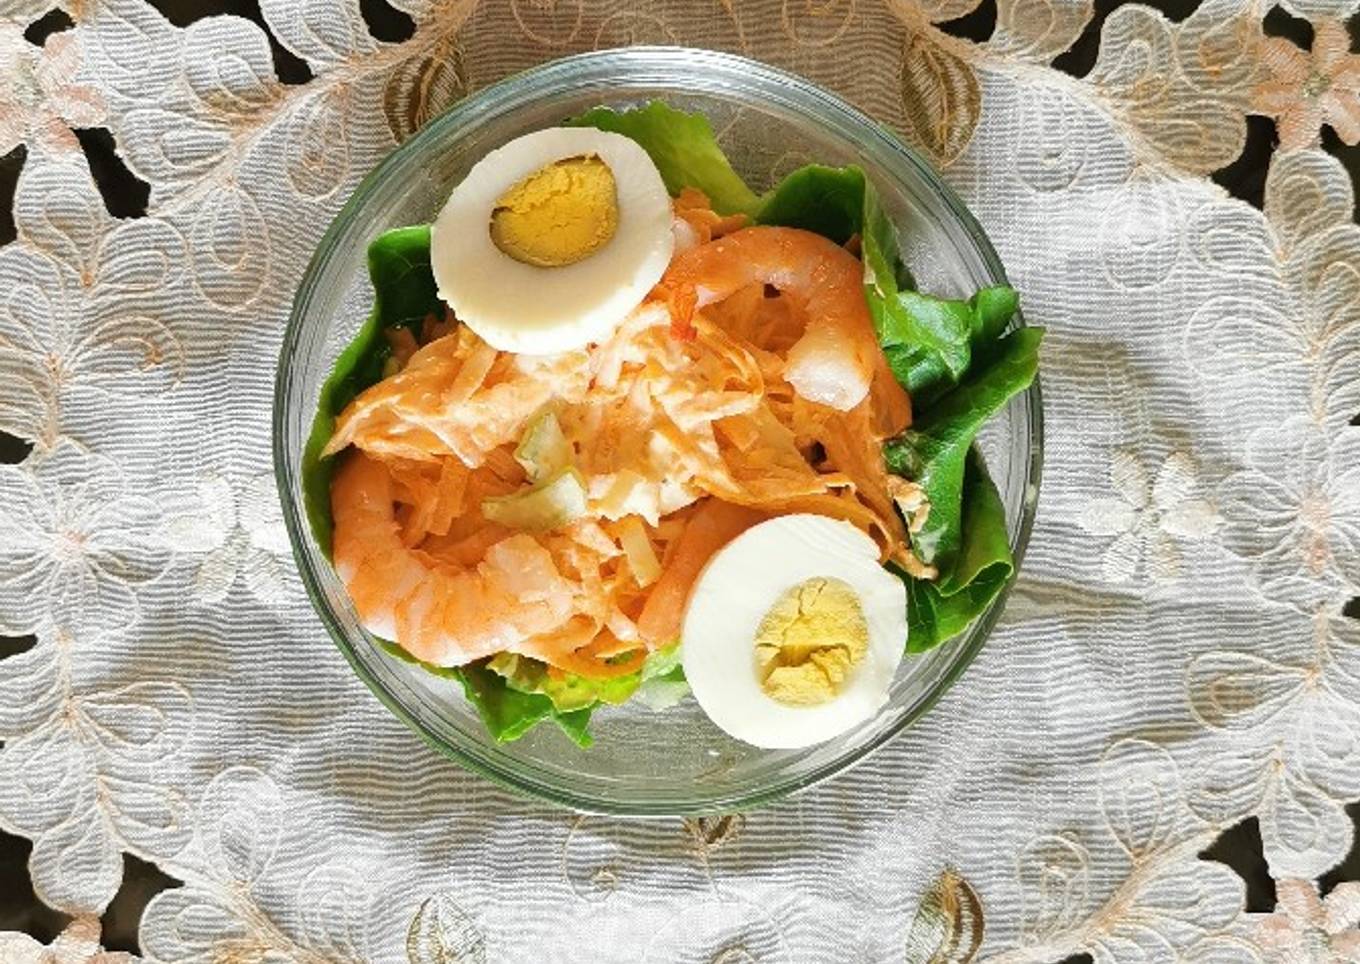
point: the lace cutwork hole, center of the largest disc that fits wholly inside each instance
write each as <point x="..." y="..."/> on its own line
<point x="54" y="21"/>
<point x="1078" y="59"/>
<point x="1177" y="10"/>
<point x="15" y="645"/>
<point x="13" y="449"/>
<point x="385" y="22"/>
<point x="976" y="26"/>
<point x="21" y="910"/>
<point x="124" y="193"/>
<point x="1279" y="22"/>
<point x="1240" y="849"/>
<point x="141" y="882"/>
<point x="10" y="166"/>
<point x="1245" y="178"/>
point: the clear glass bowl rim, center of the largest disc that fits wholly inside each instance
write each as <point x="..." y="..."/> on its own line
<point x="607" y="63"/>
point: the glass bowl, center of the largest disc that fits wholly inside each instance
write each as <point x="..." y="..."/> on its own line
<point x="643" y="762"/>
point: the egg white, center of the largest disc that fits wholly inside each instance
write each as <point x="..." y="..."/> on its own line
<point x="736" y="590"/>
<point x="518" y="307"/>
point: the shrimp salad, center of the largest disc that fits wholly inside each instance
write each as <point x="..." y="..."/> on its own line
<point x="619" y="428"/>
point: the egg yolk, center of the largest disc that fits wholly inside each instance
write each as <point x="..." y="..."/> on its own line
<point x="809" y="641"/>
<point x="559" y="215"/>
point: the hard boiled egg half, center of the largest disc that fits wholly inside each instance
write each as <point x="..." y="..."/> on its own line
<point x="794" y="631"/>
<point x="551" y="240"/>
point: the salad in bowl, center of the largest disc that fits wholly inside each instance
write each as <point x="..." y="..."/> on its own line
<point x="621" y="430"/>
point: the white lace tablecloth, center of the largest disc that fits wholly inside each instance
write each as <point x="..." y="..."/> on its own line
<point x="1175" y="658"/>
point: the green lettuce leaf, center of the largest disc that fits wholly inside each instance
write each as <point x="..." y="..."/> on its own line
<point x="825" y="200"/>
<point x="662" y="664"/>
<point x="934" y="451"/>
<point x="404" y="292"/>
<point x="664" y="690"/>
<point x="943" y="609"/>
<point x="986" y="548"/>
<point x="507" y="713"/>
<point x="568" y="691"/>
<point x="576" y="725"/>
<point x="965" y="535"/>
<point x="931" y="343"/>
<point x="663" y="679"/>
<point x="682" y="147"/>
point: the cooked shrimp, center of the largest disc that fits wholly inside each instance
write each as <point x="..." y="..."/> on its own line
<point x="441" y="613"/>
<point x="834" y="360"/>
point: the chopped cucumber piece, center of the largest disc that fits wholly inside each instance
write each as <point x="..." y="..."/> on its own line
<point x="553" y="503"/>
<point x="544" y="450"/>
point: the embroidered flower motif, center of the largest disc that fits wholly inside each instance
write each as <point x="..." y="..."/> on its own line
<point x="78" y="944"/>
<point x="40" y="101"/>
<point x="1294" y="513"/>
<point x="1148" y="518"/>
<point x="1293" y="754"/>
<point x="240" y="528"/>
<point x="93" y="779"/>
<point x="250" y="853"/>
<point x="1292" y="327"/>
<point x="1307" y="929"/>
<point x="74" y="543"/>
<point x="80" y="320"/>
<point x="1309" y="89"/>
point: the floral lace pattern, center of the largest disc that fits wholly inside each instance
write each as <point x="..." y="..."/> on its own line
<point x="41" y="102"/>
<point x="1176" y="658"/>
<point x="1307" y="929"/>
<point x="1148" y="518"/>
<point x="1304" y="92"/>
